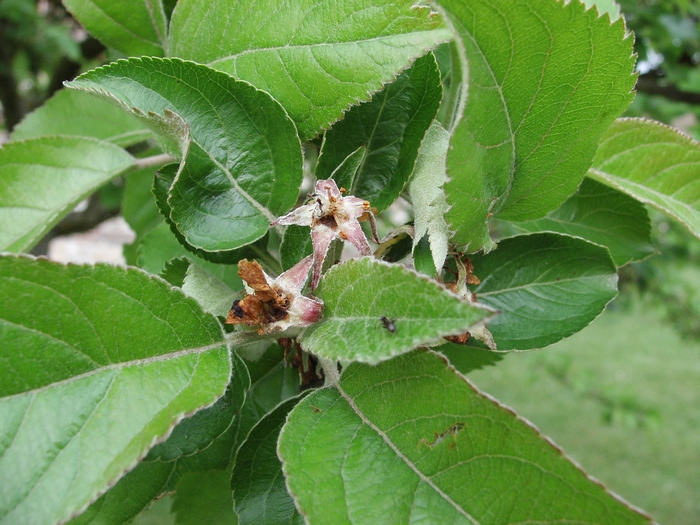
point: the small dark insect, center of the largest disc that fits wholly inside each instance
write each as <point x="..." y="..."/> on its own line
<point x="388" y="324"/>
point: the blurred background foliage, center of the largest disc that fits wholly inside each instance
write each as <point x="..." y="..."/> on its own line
<point x="622" y="396"/>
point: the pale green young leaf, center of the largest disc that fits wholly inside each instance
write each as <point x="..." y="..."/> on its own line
<point x="212" y="294"/>
<point x="43" y="179"/>
<point x="344" y="174"/>
<point x="317" y="57"/>
<point x="545" y="81"/>
<point x="241" y="163"/>
<point x="358" y="293"/>
<point x="655" y="164"/>
<point x="546" y="286"/>
<point x="428" y="195"/>
<point x="602" y="215"/>
<point x="391" y="127"/>
<point x="259" y="491"/>
<point x="105" y="361"/>
<point x="134" y="27"/>
<point x="411" y="441"/>
<point x="74" y="113"/>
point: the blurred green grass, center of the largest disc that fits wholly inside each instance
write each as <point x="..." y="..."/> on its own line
<point x="622" y="398"/>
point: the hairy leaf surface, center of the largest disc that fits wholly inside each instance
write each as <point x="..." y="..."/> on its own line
<point x="105" y="361"/>
<point x="411" y="441"/>
<point x="358" y="293"/>
<point x="655" y="164"/>
<point x="545" y="81"/>
<point x="317" y="57"/>
<point x="43" y="179"/>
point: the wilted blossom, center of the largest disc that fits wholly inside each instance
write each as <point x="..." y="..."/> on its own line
<point x="330" y="216"/>
<point x="275" y="304"/>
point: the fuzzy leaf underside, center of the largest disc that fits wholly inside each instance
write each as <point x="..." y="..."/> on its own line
<point x="317" y="57"/>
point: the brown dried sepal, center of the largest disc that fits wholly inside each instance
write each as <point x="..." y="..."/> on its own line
<point x="264" y="306"/>
<point x="460" y="339"/>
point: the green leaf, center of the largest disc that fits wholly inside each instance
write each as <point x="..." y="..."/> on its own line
<point x="545" y="81"/>
<point x="272" y="381"/>
<point x="132" y="494"/>
<point x="242" y="164"/>
<point x="468" y="358"/>
<point x="212" y="294"/>
<point x="411" y="441"/>
<point x="134" y="27"/>
<point x="547" y="287"/>
<point x="73" y="113"/>
<point x="204" y="498"/>
<point x="296" y="244"/>
<point x="602" y="215"/>
<point x="316" y="57"/>
<point x="358" y="293"/>
<point x="259" y="491"/>
<point x="43" y="179"/>
<point x="138" y="207"/>
<point x="428" y="195"/>
<point x="344" y="175"/>
<point x="104" y="361"/>
<point x="653" y="163"/>
<point x="197" y="432"/>
<point x="391" y="127"/>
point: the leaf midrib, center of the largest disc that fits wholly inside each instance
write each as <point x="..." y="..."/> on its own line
<point x="245" y="52"/>
<point x="365" y="420"/>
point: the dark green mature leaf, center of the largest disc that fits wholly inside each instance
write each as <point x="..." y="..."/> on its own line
<point x="468" y="358"/>
<point x="411" y="441"/>
<point x="272" y="381"/>
<point x="391" y="127"/>
<point x="602" y="215"/>
<point x="358" y="293"/>
<point x="296" y="244"/>
<point x="134" y="27"/>
<point x="242" y="164"/>
<point x="104" y="362"/>
<point x="317" y="57"/>
<point x="73" y="113"/>
<point x="197" y="432"/>
<point x="204" y="498"/>
<point x="545" y="81"/>
<point x="259" y="491"/>
<point x="344" y="175"/>
<point x="655" y="164"/>
<point x="547" y="286"/>
<point x="132" y="493"/>
<point x="43" y="179"/>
